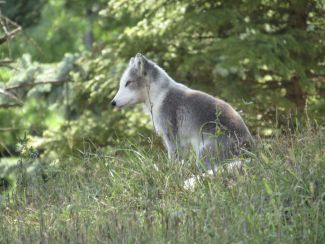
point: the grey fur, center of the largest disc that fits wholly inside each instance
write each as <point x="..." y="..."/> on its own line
<point x="210" y="116"/>
<point x="183" y="116"/>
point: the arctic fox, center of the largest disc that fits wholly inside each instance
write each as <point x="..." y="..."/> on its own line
<point x="183" y="116"/>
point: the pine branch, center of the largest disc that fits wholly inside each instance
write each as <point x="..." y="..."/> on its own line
<point x="35" y="83"/>
<point x="5" y="62"/>
<point x="18" y="102"/>
<point x="8" y="34"/>
<point x="10" y="105"/>
<point x="12" y="96"/>
<point x="8" y="129"/>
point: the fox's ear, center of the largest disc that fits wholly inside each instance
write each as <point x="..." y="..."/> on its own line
<point x="140" y="63"/>
<point x="131" y="61"/>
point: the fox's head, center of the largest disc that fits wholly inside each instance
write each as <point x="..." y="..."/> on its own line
<point x="135" y="81"/>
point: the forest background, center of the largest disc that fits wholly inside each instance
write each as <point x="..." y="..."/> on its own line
<point x="59" y="73"/>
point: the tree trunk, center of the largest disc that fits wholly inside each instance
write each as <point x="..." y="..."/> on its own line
<point x="296" y="94"/>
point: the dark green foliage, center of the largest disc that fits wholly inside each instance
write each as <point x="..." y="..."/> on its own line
<point x="264" y="57"/>
<point x="58" y="32"/>
<point x="89" y="119"/>
<point x="26" y="13"/>
<point x="267" y="52"/>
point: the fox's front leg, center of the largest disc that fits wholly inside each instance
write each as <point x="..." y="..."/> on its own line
<point x="171" y="146"/>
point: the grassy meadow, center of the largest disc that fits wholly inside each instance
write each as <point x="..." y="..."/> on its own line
<point x="135" y="194"/>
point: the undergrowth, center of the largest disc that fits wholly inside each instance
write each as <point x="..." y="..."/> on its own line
<point x="135" y="194"/>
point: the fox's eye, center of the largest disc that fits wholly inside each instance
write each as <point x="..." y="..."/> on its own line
<point x="127" y="83"/>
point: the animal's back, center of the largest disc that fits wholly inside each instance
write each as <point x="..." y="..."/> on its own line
<point x="187" y="111"/>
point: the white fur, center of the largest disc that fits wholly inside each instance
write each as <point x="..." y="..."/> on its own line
<point x="126" y="96"/>
<point x="232" y="167"/>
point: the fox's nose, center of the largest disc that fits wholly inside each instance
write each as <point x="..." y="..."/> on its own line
<point x="113" y="103"/>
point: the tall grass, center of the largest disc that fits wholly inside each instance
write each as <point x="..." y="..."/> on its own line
<point x="136" y="195"/>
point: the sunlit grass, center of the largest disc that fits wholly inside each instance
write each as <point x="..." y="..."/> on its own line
<point x="134" y="194"/>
